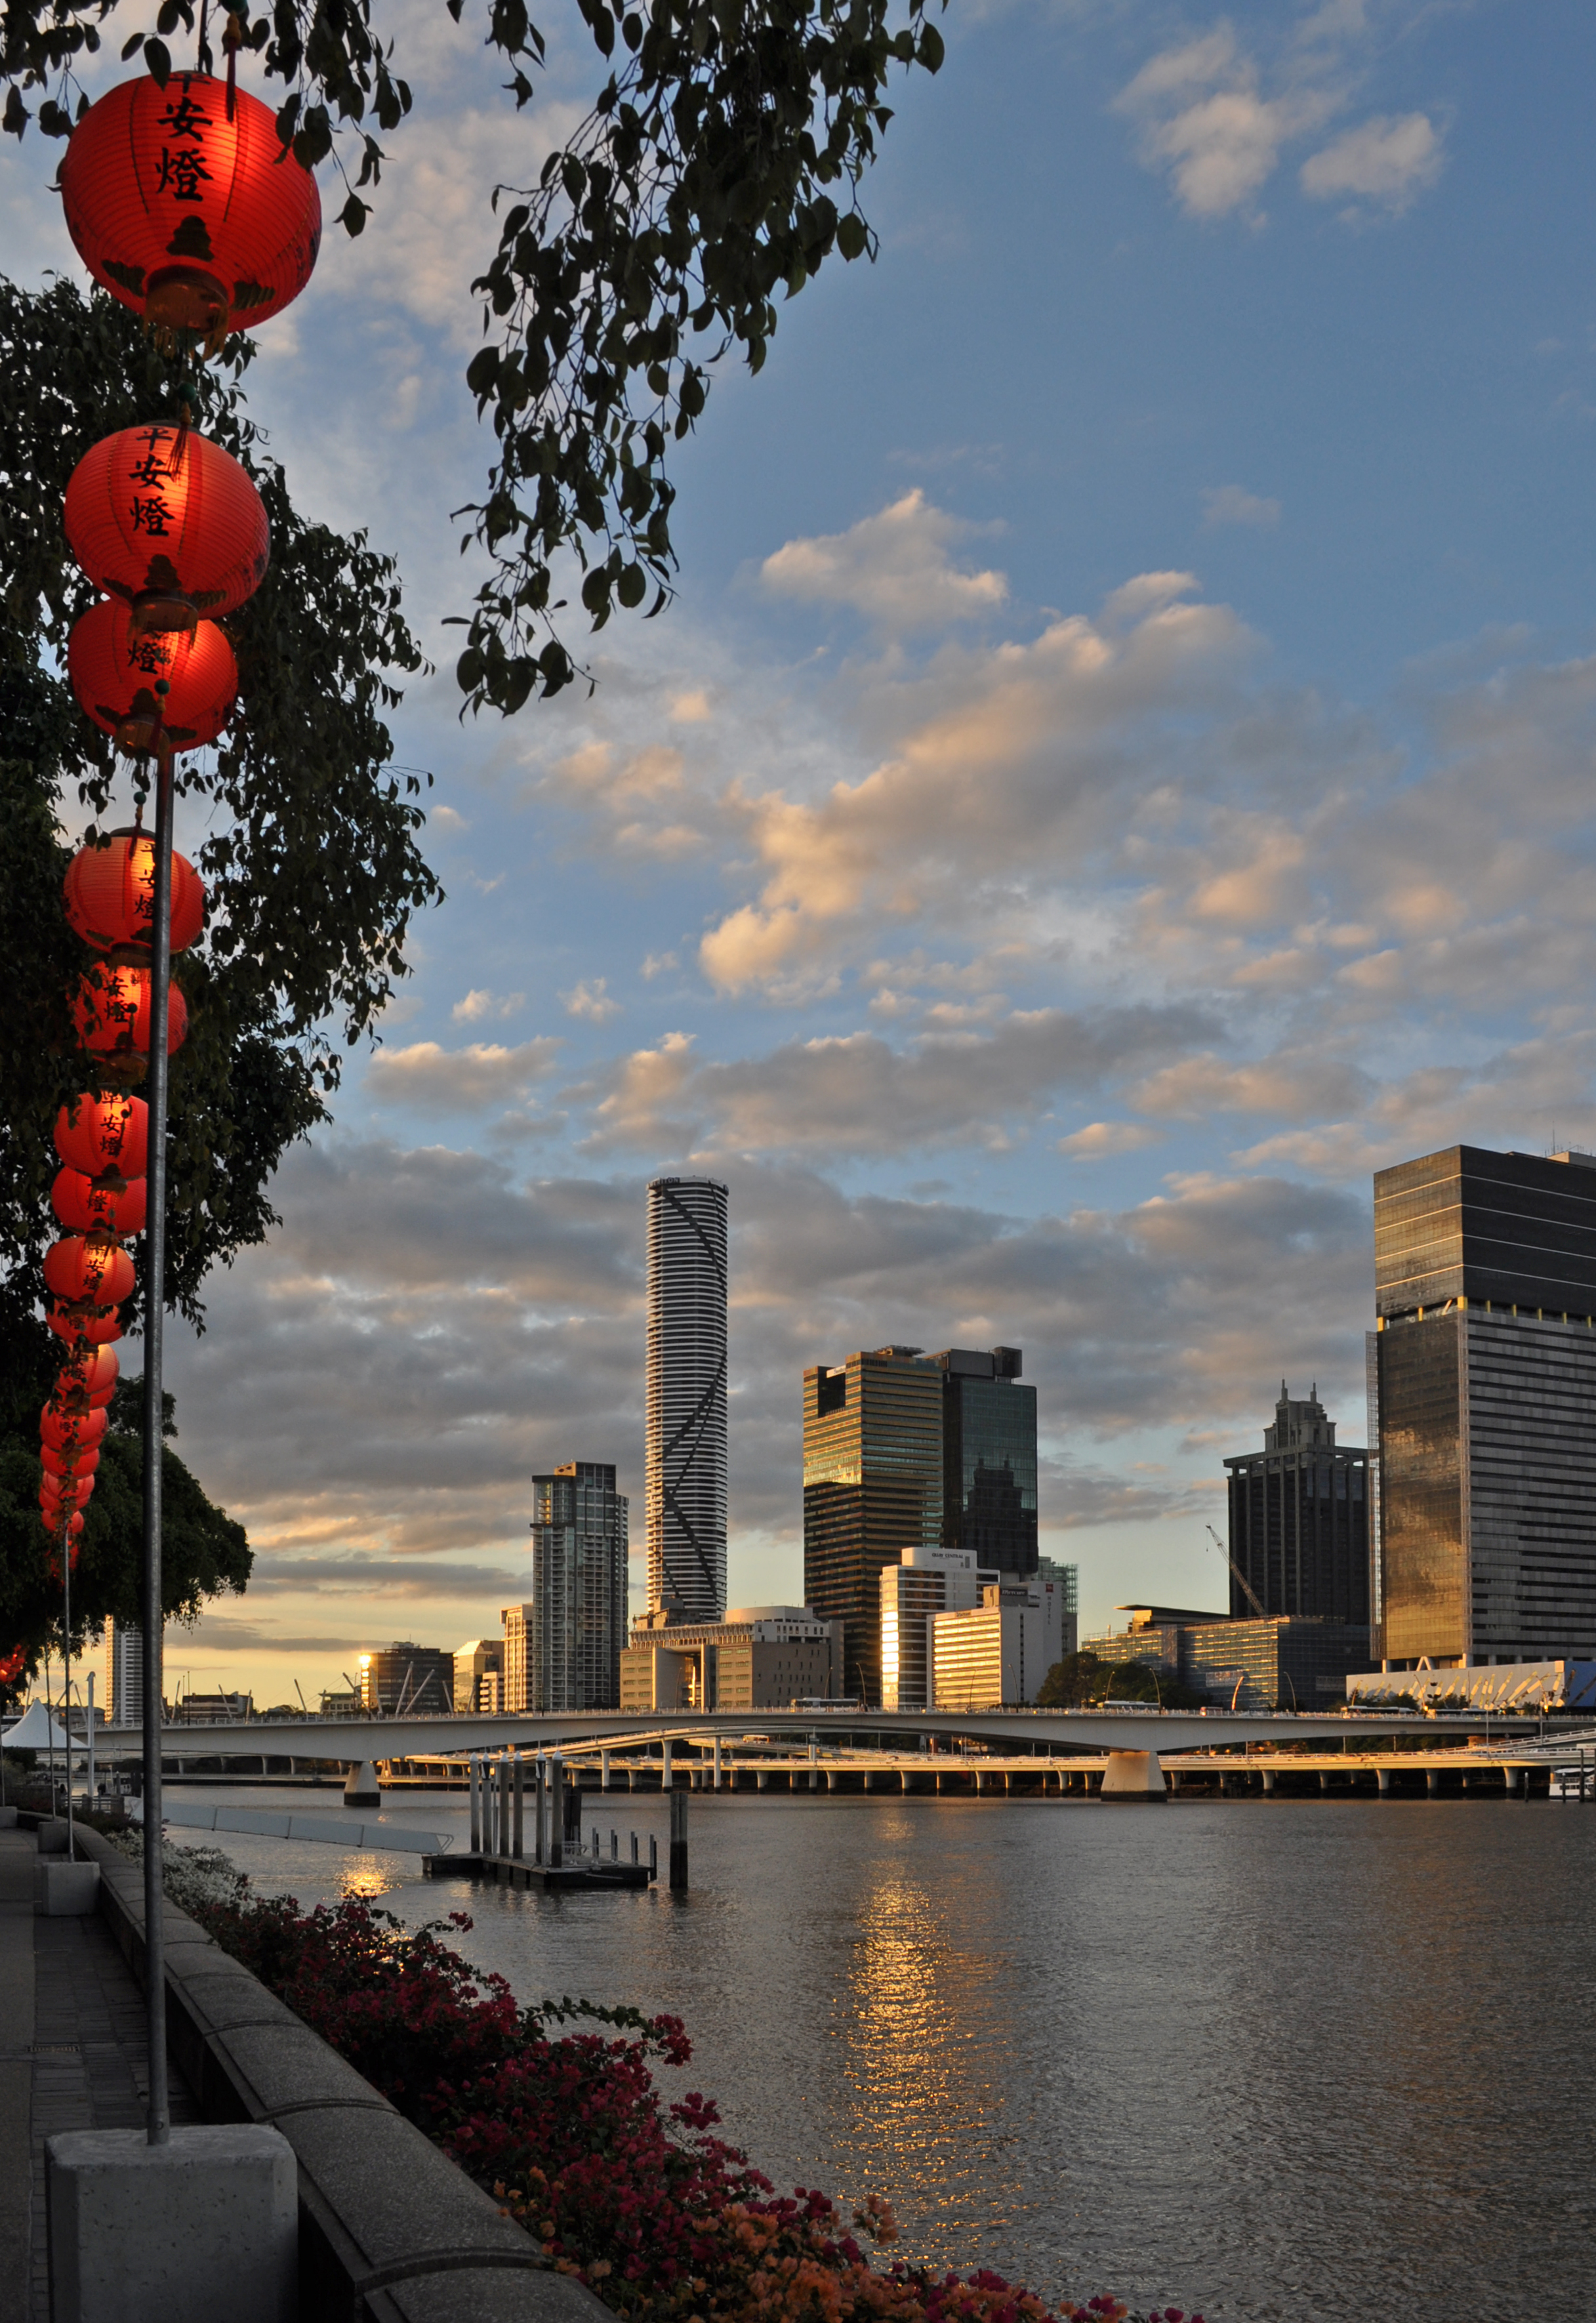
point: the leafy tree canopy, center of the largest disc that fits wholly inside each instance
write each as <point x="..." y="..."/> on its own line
<point x="310" y="859"/>
<point x="1082" y="1681"/>
<point x="719" y="166"/>
<point x="205" y="1552"/>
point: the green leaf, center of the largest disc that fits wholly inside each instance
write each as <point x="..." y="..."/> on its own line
<point x="354" y="214"/>
<point x="853" y="236"/>
<point x="158" y="61"/>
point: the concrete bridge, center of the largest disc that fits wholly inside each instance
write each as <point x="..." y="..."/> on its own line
<point x="1027" y="1733"/>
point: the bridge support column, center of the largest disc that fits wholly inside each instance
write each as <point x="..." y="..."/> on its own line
<point x="519" y="1829"/>
<point x="762" y="1779"/>
<point x="1324" y="1781"/>
<point x="1131" y="1776"/>
<point x="665" y="1766"/>
<point x="1382" y="1775"/>
<point x="1432" y="1781"/>
<point x="361" y="1787"/>
<point x="717" y="1762"/>
<point x="1269" y="1779"/>
<point x="476" y="1820"/>
<point x="1511" y="1777"/>
<point x="603" y="1770"/>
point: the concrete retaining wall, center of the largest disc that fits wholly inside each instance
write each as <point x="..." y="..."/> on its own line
<point x="389" y="2230"/>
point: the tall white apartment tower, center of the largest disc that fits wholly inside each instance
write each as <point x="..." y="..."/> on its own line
<point x="124" y="1673"/>
<point x="686" y="1407"/>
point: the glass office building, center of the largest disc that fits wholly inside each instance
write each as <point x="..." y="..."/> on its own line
<point x="989" y="1458"/>
<point x="685" y="1414"/>
<point x="1299" y="1519"/>
<point x="1485" y="1383"/>
<point x="872" y="1488"/>
<point x="578" y="1626"/>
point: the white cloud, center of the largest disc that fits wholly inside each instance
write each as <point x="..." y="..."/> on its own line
<point x="479" y="1004"/>
<point x="1387" y="160"/>
<point x="894" y="568"/>
<point x="592" y="1001"/>
<point x="1104" y="1141"/>
<point x="429" y="1078"/>
<point x="1233" y="504"/>
<point x="1202" y="117"/>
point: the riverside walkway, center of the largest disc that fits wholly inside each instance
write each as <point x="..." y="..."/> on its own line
<point x="73" y="2056"/>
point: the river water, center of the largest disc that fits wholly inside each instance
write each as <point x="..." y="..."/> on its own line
<point x="1294" y="2058"/>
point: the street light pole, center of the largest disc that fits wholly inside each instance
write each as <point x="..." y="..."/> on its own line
<point x="158" y="2121"/>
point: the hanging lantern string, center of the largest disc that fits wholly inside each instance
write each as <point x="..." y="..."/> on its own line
<point x="232" y="40"/>
<point x="203" y="58"/>
<point x="185" y="394"/>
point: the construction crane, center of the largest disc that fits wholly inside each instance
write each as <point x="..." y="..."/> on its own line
<point x="1243" y="1582"/>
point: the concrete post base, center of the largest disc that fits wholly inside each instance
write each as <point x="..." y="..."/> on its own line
<point x="361" y="1787"/>
<point x="205" y="2226"/>
<point x="64" y="1890"/>
<point x="1133" y="1774"/>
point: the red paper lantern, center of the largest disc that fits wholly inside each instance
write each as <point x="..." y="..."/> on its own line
<point x="112" y="1013"/>
<point x="200" y="223"/>
<point x="167" y="520"/>
<point x="110" y="890"/>
<point x="58" y="1428"/>
<point x="70" y="1323"/>
<point x="69" y="1462"/>
<point x="115" y="1206"/>
<point x="64" y="1492"/>
<point x="12" y="1664"/>
<point x="89" y="1267"/>
<point x="97" y="1133"/>
<point x="89" y="1381"/>
<point x="114" y="669"/>
<point x="52" y="1525"/>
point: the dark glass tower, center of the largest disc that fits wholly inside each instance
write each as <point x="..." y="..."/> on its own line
<point x="578" y="1589"/>
<point x="989" y="1458"/>
<point x="872" y="1488"/>
<point x="1485" y="1292"/>
<point x="1299" y="1519"/>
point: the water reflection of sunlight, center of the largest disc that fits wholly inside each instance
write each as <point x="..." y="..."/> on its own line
<point x="367" y="1880"/>
<point x="929" y="2059"/>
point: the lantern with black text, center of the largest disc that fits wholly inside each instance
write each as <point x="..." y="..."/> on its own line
<point x="114" y="669"/>
<point x="110" y="891"/>
<point x="167" y="522"/>
<point x="115" y="1206"/>
<point x="88" y="1270"/>
<point x="58" y="1428"/>
<point x="186" y="208"/>
<point x="73" y="1325"/>
<point x="111" y="1011"/>
<point x="110" y="1131"/>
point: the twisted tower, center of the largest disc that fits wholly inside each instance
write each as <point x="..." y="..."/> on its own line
<point x="687" y="1408"/>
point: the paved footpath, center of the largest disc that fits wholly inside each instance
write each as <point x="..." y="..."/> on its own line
<point x="73" y="2056"/>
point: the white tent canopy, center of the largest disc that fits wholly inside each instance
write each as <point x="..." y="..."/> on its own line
<point x="36" y="1730"/>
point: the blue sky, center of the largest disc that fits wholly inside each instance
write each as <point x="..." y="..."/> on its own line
<point x="1116" y="773"/>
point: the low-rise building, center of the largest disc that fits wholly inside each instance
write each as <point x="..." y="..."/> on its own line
<point x="1290" y="1662"/>
<point x="515" y="1684"/>
<point x="759" y="1657"/>
<point x="406" y="1680"/>
<point x="924" y="1582"/>
<point x="213" y="1709"/>
<point x="995" y="1655"/>
<point x="476" y="1662"/>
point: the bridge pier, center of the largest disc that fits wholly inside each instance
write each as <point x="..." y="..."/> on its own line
<point x="762" y="1779"/>
<point x="717" y="1762"/>
<point x="665" y="1766"/>
<point x="1270" y="1780"/>
<point x="361" y="1787"/>
<point x="1382" y="1775"/>
<point x="1133" y="1775"/>
<point x="1324" y="1780"/>
<point x="1511" y="1777"/>
<point x="1432" y="1781"/>
<point x="603" y="1770"/>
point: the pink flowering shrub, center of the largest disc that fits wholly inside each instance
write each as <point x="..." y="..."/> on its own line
<point x="638" y="2198"/>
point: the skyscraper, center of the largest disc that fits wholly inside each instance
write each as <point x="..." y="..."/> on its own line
<point x="1299" y="1519"/>
<point x="686" y="1398"/>
<point x="1485" y="1296"/>
<point x="989" y="1458"/>
<point x="872" y="1488"/>
<point x="577" y="1627"/>
<point x="123" y="1669"/>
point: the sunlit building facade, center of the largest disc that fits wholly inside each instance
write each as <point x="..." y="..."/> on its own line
<point x="872" y="1489"/>
<point x="759" y="1657"/>
<point x="995" y="1654"/>
<point x="479" y="1670"/>
<point x="1485" y="1387"/>
<point x="924" y="1581"/>
<point x="123" y="1673"/>
<point x="405" y="1680"/>
<point x="686" y="1396"/>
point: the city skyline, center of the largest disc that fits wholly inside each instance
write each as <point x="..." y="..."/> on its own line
<point x="1077" y="819"/>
